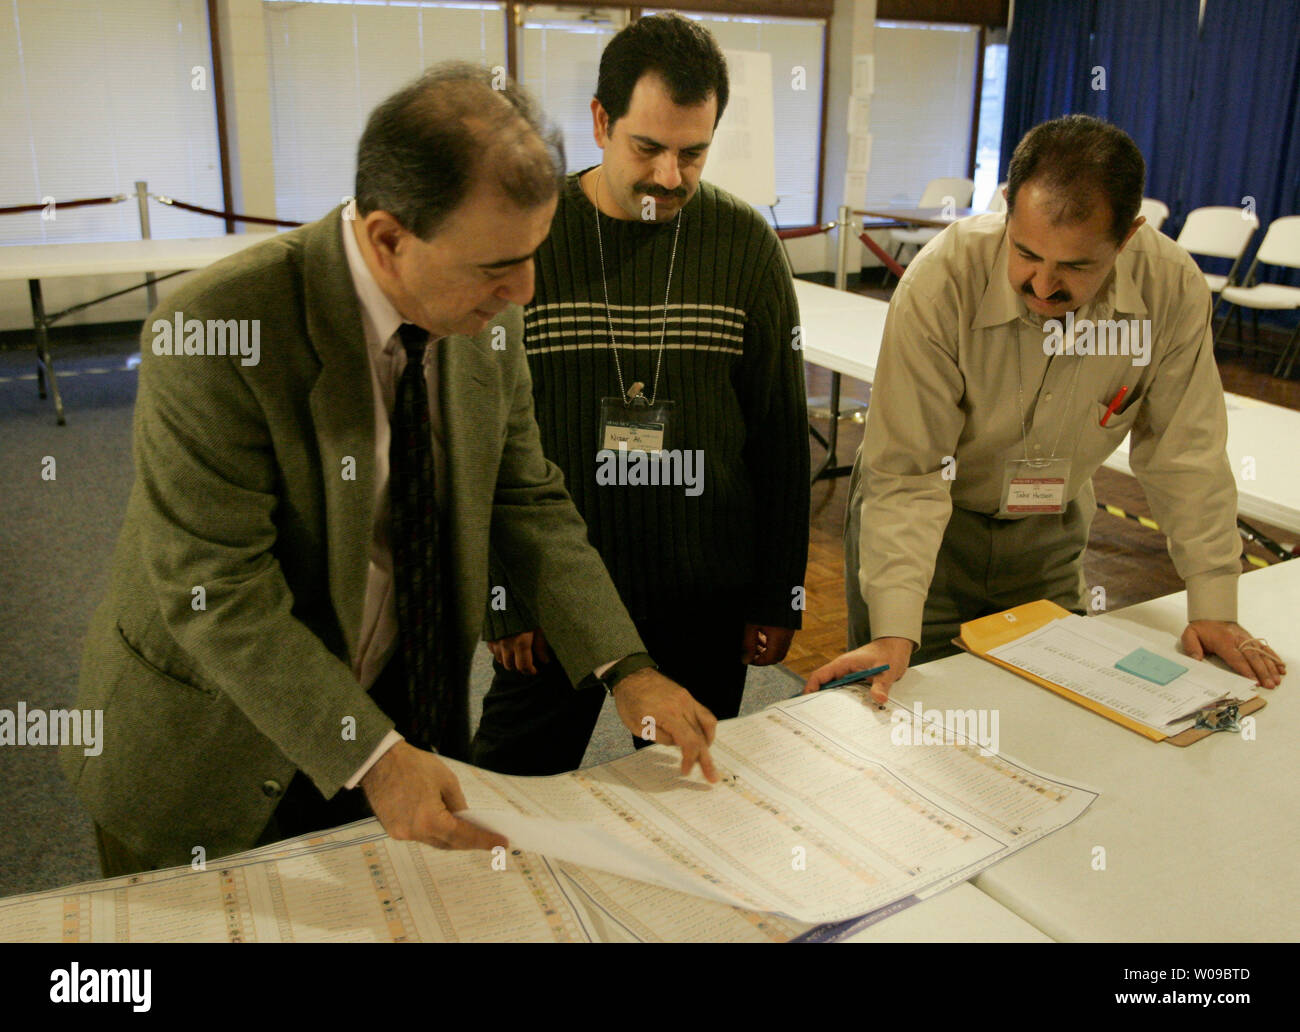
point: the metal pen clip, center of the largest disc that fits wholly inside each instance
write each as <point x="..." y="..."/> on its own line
<point x="1207" y="707"/>
<point x="1222" y="716"/>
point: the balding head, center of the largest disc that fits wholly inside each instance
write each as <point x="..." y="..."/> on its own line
<point x="426" y="147"/>
<point x="1082" y="165"/>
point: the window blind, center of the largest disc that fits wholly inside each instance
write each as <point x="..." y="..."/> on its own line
<point x="329" y="64"/>
<point x="94" y="96"/>
<point x="921" y="110"/>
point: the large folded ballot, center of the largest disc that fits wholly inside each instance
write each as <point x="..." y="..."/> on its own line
<point x="829" y="809"/>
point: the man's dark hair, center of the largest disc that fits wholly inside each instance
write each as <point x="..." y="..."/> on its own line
<point x="682" y="53"/>
<point x="425" y="146"/>
<point x="1079" y="159"/>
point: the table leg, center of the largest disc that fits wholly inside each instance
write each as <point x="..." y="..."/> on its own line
<point x="828" y="469"/>
<point x="44" y="361"/>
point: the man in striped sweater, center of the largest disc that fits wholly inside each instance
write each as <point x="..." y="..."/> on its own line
<point x="663" y="345"/>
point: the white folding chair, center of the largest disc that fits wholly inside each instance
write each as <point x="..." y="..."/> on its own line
<point x="938" y="192"/>
<point x="1218" y="232"/>
<point x="1281" y="246"/>
<point x="997" y="202"/>
<point x="1155" y="212"/>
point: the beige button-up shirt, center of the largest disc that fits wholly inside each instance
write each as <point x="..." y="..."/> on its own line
<point x="946" y="412"/>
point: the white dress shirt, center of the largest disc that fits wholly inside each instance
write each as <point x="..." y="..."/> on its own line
<point x="380" y="320"/>
<point x="378" y="638"/>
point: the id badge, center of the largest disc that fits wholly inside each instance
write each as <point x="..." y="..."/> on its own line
<point x="636" y="425"/>
<point x="1034" y="487"/>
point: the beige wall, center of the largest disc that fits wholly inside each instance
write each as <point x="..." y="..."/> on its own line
<point x="248" y="113"/>
<point x="248" y="106"/>
<point x="851" y="34"/>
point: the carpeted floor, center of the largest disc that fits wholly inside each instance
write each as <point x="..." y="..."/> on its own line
<point x="56" y="536"/>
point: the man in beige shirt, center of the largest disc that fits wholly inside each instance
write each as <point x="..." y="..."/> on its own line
<point x="1017" y="355"/>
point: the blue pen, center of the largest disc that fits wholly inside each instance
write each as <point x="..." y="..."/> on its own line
<point x="861" y="675"/>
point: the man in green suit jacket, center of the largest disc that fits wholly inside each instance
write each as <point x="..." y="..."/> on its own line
<point x="245" y="604"/>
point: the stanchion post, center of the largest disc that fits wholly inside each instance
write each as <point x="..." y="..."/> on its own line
<point x="845" y="238"/>
<point x="142" y="200"/>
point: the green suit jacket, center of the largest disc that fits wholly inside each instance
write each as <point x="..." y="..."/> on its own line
<point x="256" y="484"/>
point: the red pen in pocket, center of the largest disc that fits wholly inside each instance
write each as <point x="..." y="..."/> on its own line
<point x="1115" y="403"/>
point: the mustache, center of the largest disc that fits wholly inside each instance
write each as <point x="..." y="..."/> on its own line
<point x="1059" y="296"/>
<point x="659" y="191"/>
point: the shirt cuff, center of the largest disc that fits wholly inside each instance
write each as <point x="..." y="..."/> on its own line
<point x="1212" y="596"/>
<point x="895" y="614"/>
<point x="387" y="742"/>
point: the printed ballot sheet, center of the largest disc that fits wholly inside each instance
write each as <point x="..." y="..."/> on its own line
<point x="1082" y="655"/>
<point x="355" y="884"/>
<point x="829" y="809"/>
<point x="825" y="811"/>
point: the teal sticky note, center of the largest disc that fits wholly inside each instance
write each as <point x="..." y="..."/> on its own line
<point x="1150" y="667"/>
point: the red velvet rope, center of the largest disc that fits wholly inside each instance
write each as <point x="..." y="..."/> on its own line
<point x="792" y="234"/>
<point x="18" y="208"/>
<point x="223" y="214"/>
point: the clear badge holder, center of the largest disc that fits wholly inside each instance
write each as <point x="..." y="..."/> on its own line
<point x="1034" y="487"/>
<point x="635" y="424"/>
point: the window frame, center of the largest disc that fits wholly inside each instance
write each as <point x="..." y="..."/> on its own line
<point x="807" y="9"/>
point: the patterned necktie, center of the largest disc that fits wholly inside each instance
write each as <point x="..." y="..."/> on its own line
<point x="417" y="555"/>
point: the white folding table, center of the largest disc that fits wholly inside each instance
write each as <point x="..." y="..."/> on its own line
<point x="841" y="331"/>
<point x="1263" y="448"/>
<point x="1185" y="844"/>
<point x="34" y="262"/>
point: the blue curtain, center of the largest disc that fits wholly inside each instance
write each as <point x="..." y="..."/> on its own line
<point x="1047" y="67"/>
<point x="1146" y="50"/>
<point x="1129" y="63"/>
<point x="1216" y="113"/>
<point x="1242" y="132"/>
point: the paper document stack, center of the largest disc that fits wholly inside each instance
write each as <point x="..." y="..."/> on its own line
<point x="1148" y="688"/>
<point x="830" y="809"/>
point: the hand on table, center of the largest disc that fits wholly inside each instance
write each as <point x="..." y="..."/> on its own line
<point x="524" y="652"/>
<point x="675" y="718"/>
<point x="897" y="652"/>
<point x="1232" y="643"/>
<point x="416" y="796"/>
<point x="763" y="645"/>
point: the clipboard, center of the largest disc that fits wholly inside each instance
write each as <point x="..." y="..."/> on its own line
<point x="978" y="637"/>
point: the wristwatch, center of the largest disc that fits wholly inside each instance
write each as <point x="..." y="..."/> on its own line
<point x="627" y="665"/>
